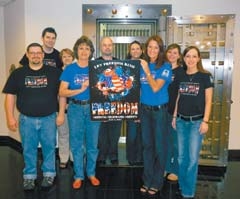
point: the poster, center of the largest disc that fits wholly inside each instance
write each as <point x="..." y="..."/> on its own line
<point x="114" y="89"/>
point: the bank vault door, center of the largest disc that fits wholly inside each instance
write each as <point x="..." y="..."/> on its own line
<point x="124" y="24"/>
<point x="214" y="37"/>
<point x="124" y="32"/>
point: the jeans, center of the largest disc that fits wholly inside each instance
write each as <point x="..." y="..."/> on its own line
<point x="154" y="137"/>
<point x="109" y="134"/>
<point x="172" y="156"/>
<point x="35" y="130"/>
<point x="83" y="138"/>
<point x="134" y="149"/>
<point x="189" y="142"/>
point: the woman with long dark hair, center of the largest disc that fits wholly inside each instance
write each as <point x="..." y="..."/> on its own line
<point x="191" y="117"/>
<point x="155" y="76"/>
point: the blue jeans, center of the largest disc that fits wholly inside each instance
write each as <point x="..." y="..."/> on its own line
<point x="35" y="130"/>
<point x="172" y="156"/>
<point x="83" y="138"/>
<point x="109" y="134"/>
<point x="189" y="142"/>
<point x="154" y="137"/>
<point x="134" y="149"/>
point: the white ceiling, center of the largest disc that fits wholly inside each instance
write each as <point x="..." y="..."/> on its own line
<point x="5" y="2"/>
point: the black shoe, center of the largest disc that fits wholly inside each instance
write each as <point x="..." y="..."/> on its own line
<point x="101" y="162"/>
<point x="63" y="165"/>
<point x="114" y="162"/>
<point x="179" y="194"/>
<point x="131" y="163"/>
<point x="139" y="163"/>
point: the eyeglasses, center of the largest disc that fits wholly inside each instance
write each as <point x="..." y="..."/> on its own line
<point x="35" y="53"/>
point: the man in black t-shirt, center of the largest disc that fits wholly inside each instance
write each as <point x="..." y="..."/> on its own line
<point x="109" y="132"/>
<point x="51" y="55"/>
<point x="35" y="87"/>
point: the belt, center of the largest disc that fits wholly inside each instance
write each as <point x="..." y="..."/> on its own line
<point x="153" y="108"/>
<point x="190" y="118"/>
<point x="80" y="102"/>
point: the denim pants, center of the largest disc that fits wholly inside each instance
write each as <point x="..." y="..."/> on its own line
<point x="189" y="142"/>
<point x="35" y="130"/>
<point x="154" y="137"/>
<point x="83" y="139"/>
<point x="109" y="134"/>
<point x="134" y="148"/>
<point x="172" y="156"/>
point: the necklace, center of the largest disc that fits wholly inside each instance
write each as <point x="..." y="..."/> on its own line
<point x="191" y="77"/>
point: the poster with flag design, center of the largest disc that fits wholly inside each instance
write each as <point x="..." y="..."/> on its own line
<point x="114" y="89"/>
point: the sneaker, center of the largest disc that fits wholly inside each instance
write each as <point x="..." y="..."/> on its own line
<point x="28" y="184"/>
<point x="47" y="181"/>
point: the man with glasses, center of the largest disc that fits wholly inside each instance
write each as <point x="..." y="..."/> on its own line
<point x="35" y="87"/>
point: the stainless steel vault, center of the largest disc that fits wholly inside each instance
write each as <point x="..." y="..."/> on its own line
<point x="214" y="37"/>
<point x="124" y="23"/>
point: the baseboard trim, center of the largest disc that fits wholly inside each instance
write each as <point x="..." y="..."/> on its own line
<point x="234" y="155"/>
<point x="10" y="142"/>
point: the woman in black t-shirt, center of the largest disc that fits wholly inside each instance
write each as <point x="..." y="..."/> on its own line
<point x="191" y="116"/>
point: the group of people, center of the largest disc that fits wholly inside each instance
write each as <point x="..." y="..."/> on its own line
<point x="176" y="94"/>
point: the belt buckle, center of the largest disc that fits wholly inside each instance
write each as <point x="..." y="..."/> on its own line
<point x="84" y="102"/>
<point x="190" y="118"/>
<point x="148" y="108"/>
<point x="156" y="108"/>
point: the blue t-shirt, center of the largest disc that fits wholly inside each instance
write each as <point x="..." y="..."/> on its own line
<point x="160" y="97"/>
<point x="75" y="76"/>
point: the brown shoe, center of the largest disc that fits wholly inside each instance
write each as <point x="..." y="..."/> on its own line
<point x="94" y="181"/>
<point x="77" y="184"/>
<point x="63" y="165"/>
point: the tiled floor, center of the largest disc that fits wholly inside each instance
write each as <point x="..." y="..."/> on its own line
<point x="120" y="182"/>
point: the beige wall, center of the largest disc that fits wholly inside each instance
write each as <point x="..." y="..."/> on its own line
<point x="3" y="129"/>
<point x="24" y="21"/>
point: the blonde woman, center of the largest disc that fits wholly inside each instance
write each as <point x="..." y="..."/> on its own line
<point x="67" y="57"/>
<point x="173" y="55"/>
